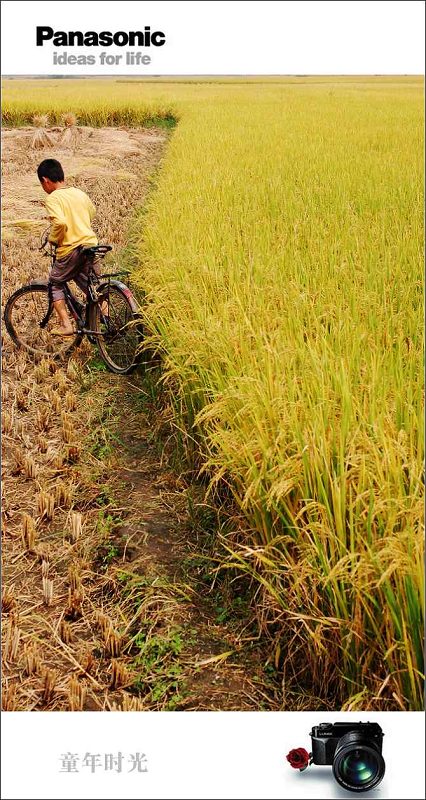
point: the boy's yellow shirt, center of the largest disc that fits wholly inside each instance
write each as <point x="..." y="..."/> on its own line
<point x="71" y="212"/>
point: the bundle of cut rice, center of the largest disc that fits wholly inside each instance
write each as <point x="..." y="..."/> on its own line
<point x="41" y="138"/>
<point x="71" y="134"/>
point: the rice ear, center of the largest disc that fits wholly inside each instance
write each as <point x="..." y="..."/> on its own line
<point x="69" y="119"/>
<point x="40" y="120"/>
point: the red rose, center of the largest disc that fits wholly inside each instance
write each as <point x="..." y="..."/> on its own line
<point x="298" y="758"/>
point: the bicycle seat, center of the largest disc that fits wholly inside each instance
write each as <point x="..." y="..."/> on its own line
<point x="96" y="250"/>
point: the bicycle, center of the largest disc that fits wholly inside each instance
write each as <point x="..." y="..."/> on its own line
<point x="109" y="317"/>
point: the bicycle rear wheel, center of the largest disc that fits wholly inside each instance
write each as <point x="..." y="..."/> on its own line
<point x="116" y="319"/>
<point x="29" y="317"/>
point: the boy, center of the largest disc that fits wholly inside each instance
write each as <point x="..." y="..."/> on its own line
<point x="71" y="213"/>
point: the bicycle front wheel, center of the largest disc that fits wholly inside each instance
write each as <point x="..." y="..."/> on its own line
<point x="29" y="317"/>
<point x="119" y="326"/>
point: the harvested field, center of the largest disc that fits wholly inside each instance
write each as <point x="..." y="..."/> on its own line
<point x="103" y="602"/>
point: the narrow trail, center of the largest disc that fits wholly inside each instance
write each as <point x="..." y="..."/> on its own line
<point x="195" y="652"/>
<point x="110" y="599"/>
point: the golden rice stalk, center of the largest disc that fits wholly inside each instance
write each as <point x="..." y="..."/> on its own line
<point x="43" y="419"/>
<point x="65" y="631"/>
<point x="18" y="462"/>
<point x="70" y="401"/>
<point x="21" y="365"/>
<point x="68" y="431"/>
<point x="54" y="400"/>
<point x="5" y="504"/>
<point x="4" y="391"/>
<point x="20" y="370"/>
<point x="73" y="453"/>
<point x="75" y="526"/>
<point x="40" y="120"/>
<point x="47" y="591"/>
<point x="120" y="676"/>
<point x="29" y="532"/>
<point x="18" y="428"/>
<point x="58" y="461"/>
<point x="132" y="703"/>
<point x="88" y="662"/>
<point x="11" y="645"/>
<point x="41" y="371"/>
<point x="51" y="453"/>
<point x="49" y="685"/>
<point x="42" y="444"/>
<point x="32" y="662"/>
<point x="103" y="623"/>
<point x="8" y="699"/>
<point x="27" y="440"/>
<point x="74" y="610"/>
<point x="113" y="643"/>
<point x="74" y="578"/>
<point x="45" y="503"/>
<point x="76" y="694"/>
<point x="7" y="421"/>
<point x="43" y="553"/>
<point x="29" y="467"/>
<point x="5" y="516"/>
<point x="22" y="401"/>
<point x="37" y="374"/>
<point x="72" y="370"/>
<point x="129" y="703"/>
<point x="61" y="382"/>
<point x="8" y="599"/>
<point x="45" y="565"/>
<point x="63" y="493"/>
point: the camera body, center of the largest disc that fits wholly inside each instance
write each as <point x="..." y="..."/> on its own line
<point x="354" y="749"/>
<point x="325" y="738"/>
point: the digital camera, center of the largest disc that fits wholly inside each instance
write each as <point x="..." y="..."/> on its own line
<point x="353" y="749"/>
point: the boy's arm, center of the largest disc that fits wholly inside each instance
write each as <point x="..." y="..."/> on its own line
<point x="58" y="225"/>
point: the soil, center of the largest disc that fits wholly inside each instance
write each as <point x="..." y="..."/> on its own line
<point x="111" y="599"/>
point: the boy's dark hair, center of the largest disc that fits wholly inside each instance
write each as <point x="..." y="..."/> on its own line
<point x="52" y="169"/>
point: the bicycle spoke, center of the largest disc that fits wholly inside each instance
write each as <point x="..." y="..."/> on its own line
<point x="24" y="314"/>
<point x="120" y="330"/>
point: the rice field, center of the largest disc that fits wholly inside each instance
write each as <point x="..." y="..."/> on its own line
<point x="281" y="255"/>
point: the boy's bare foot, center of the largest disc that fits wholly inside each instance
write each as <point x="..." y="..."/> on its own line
<point x="63" y="331"/>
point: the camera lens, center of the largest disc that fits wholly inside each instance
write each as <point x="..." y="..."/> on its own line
<point x="358" y="763"/>
<point x="359" y="767"/>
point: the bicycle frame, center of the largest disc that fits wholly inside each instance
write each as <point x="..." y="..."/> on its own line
<point x="92" y="298"/>
<point x="109" y="315"/>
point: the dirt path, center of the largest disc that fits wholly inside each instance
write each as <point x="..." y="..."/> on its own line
<point x="110" y="598"/>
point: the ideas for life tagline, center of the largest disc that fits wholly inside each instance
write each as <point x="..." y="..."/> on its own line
<point x="130" y="58"/>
